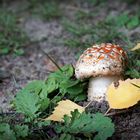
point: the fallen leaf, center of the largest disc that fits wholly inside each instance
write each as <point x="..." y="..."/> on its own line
<point x="136" y="47"/>
<point x="125" y="95"/>
<point x="64" y="108"/>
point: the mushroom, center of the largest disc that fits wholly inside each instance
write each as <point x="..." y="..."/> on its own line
<point x="104" y="64"/>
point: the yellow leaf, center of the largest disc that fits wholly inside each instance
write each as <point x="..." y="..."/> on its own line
<point x="64" y="108"/>
<point x="136" y="47"/>
<point x="125" y="95"/>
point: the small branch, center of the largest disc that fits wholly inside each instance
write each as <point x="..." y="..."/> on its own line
<point x="135" y="85"/>
<point x="107" y="111"/>
<point x="88" y="104"/>
<point x="116" y="113"/>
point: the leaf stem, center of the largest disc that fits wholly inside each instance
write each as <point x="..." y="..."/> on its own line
<point x="107" y="111"/>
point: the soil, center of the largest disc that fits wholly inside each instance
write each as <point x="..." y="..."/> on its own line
<point x="47" y="36"/>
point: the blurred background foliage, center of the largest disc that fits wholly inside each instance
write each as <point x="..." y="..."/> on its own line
<point x="87" y="26"/>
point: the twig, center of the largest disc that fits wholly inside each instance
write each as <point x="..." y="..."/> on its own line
<point x="135" y="85"/>
<point x="88" y="104"/>
<point x="116" y="113"/>
<point x="53" y="61"/>
<point x="107" y="111"/>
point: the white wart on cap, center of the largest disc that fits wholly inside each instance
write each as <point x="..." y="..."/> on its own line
<point x="104" y="63"/>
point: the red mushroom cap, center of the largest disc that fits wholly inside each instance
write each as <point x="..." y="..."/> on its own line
<point x="104" y="59"/>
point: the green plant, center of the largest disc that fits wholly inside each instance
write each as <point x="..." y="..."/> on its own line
<point x="86" y="125"/>
<point x="37" y="100"/>
<point x="38" y="95"/>
<point x="12" y="37"/>
<point x="8" y="132"/>
<point x="51" y="10"/>
<point x="84" y="35"/>
<point x="133" y="69"/>
<point x="124" y="20"/>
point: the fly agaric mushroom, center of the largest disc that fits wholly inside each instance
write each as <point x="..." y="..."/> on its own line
<point x="104" y="64"/>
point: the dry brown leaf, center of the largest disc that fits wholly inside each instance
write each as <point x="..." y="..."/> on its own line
<point x="125" y="95"/>
<point x="136" y="47"/>
<point x="64" y="108"/>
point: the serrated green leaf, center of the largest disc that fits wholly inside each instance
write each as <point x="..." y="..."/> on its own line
<point x="80" y="97"/>
<point x="27" y="103"/>
<point x="51" y="84"/>
<point x="104" y="127"/>
<point x="43" y="123"/>
<point x="75" y="90"/>
<point x="66" y="84"/>
<point x="36" y="87"/>
<point x="133" y="73"/>
<point x="6" y="133"/>
<point x="87" y="124"/>
<point x="61" y="79"/>
<point x="21" y="131"/>
<point x="65" y="72"/>
<point x="44" y="103"/>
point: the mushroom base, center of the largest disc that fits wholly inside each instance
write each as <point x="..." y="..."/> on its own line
<point x="98" y="87"/>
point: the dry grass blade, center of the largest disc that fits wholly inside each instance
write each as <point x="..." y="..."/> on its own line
<point x="52" y="60"/>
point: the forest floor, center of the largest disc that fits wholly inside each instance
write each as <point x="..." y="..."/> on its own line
<point x="64" y="31"/>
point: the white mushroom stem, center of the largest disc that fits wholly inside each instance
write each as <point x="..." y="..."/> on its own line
<point x="98" y="87"/>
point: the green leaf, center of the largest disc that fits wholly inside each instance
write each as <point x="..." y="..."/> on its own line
<point x="66" y="72"/>
<point x="87" y="124"/>
<point x="61" y="79"/>
<point x="138" y="63"/>
<point x="66" y="84"/>
<point x="119" y="21"/>
<point x="21" y="131"/>
<point x="56" y="79"/>
<point x="133" y="73"/>
<point x="40" y="89"/>
<point x="122" y="19"/>
<point x="66" y="137"/>
<point x="6" y="133"/>
<point x="104" y="127"/>
<point x="51" y="84"/>
<point x="133" y="22"/>
<point x="19" y="52"/>
<point x="27" y="103"/>
<point x="44" y="103"/>
<point x="35" y="86"/>
<point x="43" y="123"/>
<point x="4" y="50"/>
<point x="75" y="90"/>
<point x="80" y="97"/>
